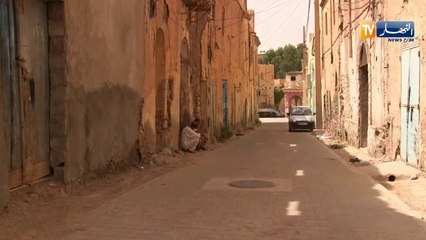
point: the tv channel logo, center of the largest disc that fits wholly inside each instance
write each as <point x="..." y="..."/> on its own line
<point x="368" y="29"/>
<point x="387" y="29"/>
<point x="395" y="29"/>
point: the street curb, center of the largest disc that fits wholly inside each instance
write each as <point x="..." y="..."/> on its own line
<point x="401" y="204"/>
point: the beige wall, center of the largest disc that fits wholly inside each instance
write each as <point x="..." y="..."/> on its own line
<point x="266" y="73"/>
<point x="384" y="75"/>
<point x="105" y="82"/>
<point x="231" y="40"/>
<point x="173" y="36"/>
<point x="414" y="11"/>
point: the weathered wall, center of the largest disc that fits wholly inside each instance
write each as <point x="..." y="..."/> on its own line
<point x="164" y="20"/>
<point x="310" y="72"/>
<point x="330" y="63"/>
<point x="266" y="73"/>
<point x="230" y="43"/>
<point x="412" y="10"/>
<point x="383" y="109"/>
<point x="5" y="107"/>
<point x="105" y="77"/>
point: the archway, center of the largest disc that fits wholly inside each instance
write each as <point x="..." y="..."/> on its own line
<point x="185" y="86"/>
<point x="363" y="97"/>
<point x="295" y="101"/>
<point x="161" y="124"/>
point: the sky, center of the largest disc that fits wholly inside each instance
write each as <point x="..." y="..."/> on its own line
<point x="280" y="22"/>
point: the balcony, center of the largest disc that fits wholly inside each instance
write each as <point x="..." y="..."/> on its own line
<point x="199" y="5"/>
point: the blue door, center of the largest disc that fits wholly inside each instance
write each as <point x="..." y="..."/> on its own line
<point x="410" y="116"/>
<point x="225" y="103"/>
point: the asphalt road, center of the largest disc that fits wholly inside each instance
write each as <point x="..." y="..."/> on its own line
<point x="314" y="196"/>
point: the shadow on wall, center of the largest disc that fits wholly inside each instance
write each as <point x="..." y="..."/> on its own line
<point x="103" y="128"/>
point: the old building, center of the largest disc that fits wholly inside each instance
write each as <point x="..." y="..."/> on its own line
<point x="267" y="81"/>
<point x="78" y="76"/>
<point x="86" y="85"/>
<point x="371" y="88"/>
<point x="293" y="90"/>
<point x="309" y="65"/>
<point x="232" y="67"/>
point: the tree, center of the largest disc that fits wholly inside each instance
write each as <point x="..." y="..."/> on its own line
<point x="285" y="59"/>
<point x="278" y="96"/>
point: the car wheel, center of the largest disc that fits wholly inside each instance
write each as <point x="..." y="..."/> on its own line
<point x="290" y="130"/>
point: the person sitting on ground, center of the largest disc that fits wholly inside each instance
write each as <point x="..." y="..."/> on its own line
<point x="191" y="138"/>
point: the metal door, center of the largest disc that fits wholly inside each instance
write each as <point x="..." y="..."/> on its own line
<point x="33" y="81"/>
<point x="225" y="103"/>
<point x="410" y="116"/>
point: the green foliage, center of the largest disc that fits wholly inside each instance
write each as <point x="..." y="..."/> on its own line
<point x="285" y="59"/>
<point x="278" y="96"/>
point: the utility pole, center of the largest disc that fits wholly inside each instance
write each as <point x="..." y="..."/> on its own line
<point x="318" y="85"/>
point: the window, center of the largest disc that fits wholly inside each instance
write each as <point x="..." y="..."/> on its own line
<point x="293" y="78"/>
<point x="152" y="7"/>
<point x="210" y="54"/>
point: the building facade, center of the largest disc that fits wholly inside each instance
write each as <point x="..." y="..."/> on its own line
<point x="309" y="65"/>
<point x="267" y="85"/>
<point x="293" y="90"/>
<point x="371" y="88"/>
<point x="89" y="84"/>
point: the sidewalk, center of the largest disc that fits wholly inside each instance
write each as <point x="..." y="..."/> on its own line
<point x="407" y="182"/>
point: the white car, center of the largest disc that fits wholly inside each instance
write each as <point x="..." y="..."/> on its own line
<point x="301" y="117"/>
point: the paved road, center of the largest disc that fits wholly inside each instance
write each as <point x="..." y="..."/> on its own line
<point x="315" y="197"/>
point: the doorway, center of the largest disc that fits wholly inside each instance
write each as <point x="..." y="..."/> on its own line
<point x="363" y="98"/>
<point x="30" y="94"/>
<point x="410" y="96"/>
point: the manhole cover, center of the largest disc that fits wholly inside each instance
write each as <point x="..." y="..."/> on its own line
<point x="252" y="184"/>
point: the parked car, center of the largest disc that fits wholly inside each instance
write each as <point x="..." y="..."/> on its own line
<point x="267" y="113"/>
<point x="302" y="118"/>
<point x="280" y="114"/>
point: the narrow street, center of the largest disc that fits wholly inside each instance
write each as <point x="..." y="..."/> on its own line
<point x="315" y="197"/>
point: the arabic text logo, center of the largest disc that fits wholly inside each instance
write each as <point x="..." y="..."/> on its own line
<point x="395" y="29"/>
<point x="368" y="29"/>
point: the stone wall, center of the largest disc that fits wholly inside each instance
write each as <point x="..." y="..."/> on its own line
<point x="266" y="75"/>
<point x="104" y="83"/>
<point x="342" y="56"/>
<point x="166" y="29"/>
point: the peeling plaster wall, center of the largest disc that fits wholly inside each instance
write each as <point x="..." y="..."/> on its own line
<point x="384" y="90"/>
<point x="412" y="10"/>
<point x="330" y="65"/>
<point x="174" y="29"/>
<point x="105" y="82"/>
<point x="266" y="73"/>
<point x="229" y="40"/>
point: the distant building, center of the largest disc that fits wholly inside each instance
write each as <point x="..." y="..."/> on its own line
<point x="293" y="90"/>
<point x="266" y="93"/>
